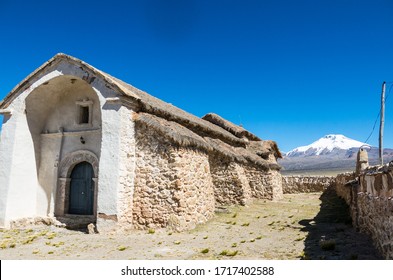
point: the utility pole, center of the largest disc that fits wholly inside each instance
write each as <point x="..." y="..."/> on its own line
<point x="381" y="126"/>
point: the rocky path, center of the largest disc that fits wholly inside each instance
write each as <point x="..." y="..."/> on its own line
<point x="301" y="226"/>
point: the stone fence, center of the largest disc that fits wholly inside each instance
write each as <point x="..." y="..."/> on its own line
<point x="369" y="197"/>
<point x="306" y="184"/>
<point x="342" y="189"/>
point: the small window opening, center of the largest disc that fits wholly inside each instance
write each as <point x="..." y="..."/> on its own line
<point x="84" y="115"/>
<point x="84" y="112"/>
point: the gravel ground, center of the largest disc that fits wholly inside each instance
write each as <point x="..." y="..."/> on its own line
<point x="300" y="226"/>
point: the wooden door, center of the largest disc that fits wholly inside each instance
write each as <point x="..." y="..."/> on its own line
<point x="81" y="198"/>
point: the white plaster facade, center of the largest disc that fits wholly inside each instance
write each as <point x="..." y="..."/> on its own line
<point x="41" y="130"/>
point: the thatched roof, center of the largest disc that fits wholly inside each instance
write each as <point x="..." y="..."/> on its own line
<point x="212" y="133"/>
<point x="264" y="148"/>
<point x="181" y="136"/>
<point x="229" y="126"/>
<point x="173" y="131"/>
<point x="240" y="154"/>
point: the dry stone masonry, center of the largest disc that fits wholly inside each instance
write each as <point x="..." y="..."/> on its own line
<point x="173" y="186"/>
<point x="370" y="199"/>
<point x="305" y="184"/>
<point x="368" y="192"/>
<point x="230" y="183"/>
<point x="180" y="187"/>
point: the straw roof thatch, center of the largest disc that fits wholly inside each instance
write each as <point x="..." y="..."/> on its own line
<point x="173" y="131"/>
<point x="181" y="136"/>
<point x="264" y="148"/>
<point x="229" y="126"/>
<point x="241" y="155"/>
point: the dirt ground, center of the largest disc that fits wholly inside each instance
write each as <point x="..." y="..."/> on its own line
<point x="301" y="226"/>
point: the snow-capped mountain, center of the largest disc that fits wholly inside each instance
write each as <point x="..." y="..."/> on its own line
<point x="326" y="145"/>
<point x="333" y="152"/>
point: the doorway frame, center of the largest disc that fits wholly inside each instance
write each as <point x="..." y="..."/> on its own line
<point x="64" y="180"/>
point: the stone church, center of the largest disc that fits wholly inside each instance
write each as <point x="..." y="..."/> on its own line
<point x="79" y="146"/>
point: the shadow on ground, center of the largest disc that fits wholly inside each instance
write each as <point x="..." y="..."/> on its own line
<point x="330" y="234"/>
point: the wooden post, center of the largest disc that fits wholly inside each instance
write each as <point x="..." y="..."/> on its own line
<point x="382" y="123"/>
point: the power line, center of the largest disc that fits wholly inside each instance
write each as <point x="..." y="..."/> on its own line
<point x="372" y="131"/>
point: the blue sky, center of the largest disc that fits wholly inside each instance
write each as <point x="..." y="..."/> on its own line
<point x="290" y="71"/>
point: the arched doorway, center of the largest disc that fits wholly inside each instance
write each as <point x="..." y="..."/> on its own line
<point x="77" y="189"/>
<point x="64" y="117"/>
<point x="81" y="194"/>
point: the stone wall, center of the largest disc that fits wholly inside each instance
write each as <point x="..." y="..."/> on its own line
<point x="266" y="185"/>
<point x="305" y="184"/>
<point x="342" y="190"/>
<point x="274" y="178"/>
<point x="231" y="185"/>
<point x="238" y="184"/>
<point x="371" y="204"/>
<point x="180" y="187"/>
<point x="195" y="194"/>
<point x="173" y="186"/>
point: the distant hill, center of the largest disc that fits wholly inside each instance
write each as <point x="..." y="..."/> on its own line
<point x="331" y="152"/>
